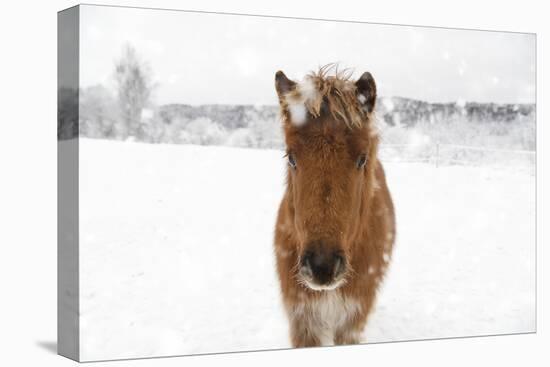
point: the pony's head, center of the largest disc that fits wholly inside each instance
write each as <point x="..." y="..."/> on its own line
<point x="331" y="145"/>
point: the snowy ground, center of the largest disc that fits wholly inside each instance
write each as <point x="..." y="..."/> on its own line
<point x="176" y="251"/>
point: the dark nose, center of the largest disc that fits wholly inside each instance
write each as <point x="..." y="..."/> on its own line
<point x="324" y="265"/>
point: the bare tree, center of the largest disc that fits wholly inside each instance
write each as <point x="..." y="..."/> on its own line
<point x="134" y="88"/>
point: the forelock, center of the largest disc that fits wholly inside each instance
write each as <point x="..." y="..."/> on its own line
<point x="332" y="87"/>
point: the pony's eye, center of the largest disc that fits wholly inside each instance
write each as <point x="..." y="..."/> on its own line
<point x="291" y="160"/>
<point x="361" y="161"/>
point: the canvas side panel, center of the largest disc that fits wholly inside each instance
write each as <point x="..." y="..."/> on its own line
<point x="67" y="183"/>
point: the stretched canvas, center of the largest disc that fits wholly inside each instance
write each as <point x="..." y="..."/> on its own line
<point x="231" y="183"/>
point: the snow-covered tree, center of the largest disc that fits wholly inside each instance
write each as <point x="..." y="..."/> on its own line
<point x="134" y="89"/>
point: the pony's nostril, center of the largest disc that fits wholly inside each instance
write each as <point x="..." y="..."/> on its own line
<point x="322" y="264"/>
<point x="306" y="259"/>
<point x="305" y="264"/>
<point x="339" y="265"/>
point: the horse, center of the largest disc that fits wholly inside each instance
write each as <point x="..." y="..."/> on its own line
<point x="335" y="226"/>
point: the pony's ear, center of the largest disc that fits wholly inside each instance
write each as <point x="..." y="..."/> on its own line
<point x="366" y="91"/>
<point x="283" y="85"/>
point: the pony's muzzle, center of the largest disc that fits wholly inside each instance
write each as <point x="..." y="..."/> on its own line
<point x="322" y="268"/>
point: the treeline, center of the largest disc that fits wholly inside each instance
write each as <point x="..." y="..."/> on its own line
<point x="125" y="111"/>
<point x="504" y="126"/>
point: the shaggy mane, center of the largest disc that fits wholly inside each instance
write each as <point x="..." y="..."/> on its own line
<point x="336" y="88"/>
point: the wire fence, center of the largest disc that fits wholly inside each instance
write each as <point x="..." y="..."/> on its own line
<point x="454" y="154"/>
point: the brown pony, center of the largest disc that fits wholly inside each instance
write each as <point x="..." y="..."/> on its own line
<point x="336" y="227"/>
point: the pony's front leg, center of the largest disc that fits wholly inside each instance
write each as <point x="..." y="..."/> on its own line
<point x="302" y="335"/>
<point x="350" y="335"/>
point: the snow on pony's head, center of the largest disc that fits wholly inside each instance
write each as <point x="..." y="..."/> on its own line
<point x="327" y="91"/>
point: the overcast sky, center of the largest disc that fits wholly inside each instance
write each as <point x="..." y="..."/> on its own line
<point x="229" y="59"/>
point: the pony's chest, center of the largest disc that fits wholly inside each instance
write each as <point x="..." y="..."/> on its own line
<point x="328" y="314"/>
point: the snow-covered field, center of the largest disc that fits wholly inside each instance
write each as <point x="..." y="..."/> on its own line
<point x="176" y="251"/>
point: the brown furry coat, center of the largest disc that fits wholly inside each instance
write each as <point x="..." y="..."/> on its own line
<point x="336" y="227"/>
